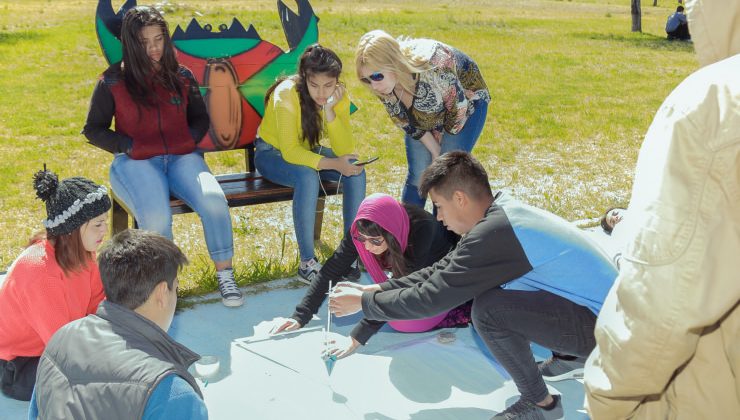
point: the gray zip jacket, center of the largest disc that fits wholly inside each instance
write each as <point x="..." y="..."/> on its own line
<point x="105" y="366"/>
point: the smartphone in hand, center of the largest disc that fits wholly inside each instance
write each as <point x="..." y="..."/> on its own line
<point x="365" y="162"/>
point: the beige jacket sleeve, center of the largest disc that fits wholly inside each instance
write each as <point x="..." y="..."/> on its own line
<point x="678" y="277"/>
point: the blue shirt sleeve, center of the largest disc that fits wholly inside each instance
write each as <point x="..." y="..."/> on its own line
<point x="33" y="409"/>
<point x="174" y="398"/>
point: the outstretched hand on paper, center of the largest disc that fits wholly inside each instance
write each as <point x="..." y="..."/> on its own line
<point x="280" y="324"/>
<point x="342" y="347"/>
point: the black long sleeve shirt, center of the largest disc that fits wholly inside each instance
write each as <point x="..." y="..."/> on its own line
<point x="429" y="241"/>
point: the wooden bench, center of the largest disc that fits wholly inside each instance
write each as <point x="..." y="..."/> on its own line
<point x="241" y="189"/>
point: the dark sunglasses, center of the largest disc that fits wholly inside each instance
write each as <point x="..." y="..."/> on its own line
<point x="375" y="77"/>
<point x="375" y="241"/>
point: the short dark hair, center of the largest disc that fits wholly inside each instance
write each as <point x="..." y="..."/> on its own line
<point x="679" y="9"/>
<point x="456" y="171"/>
<point x="604" y="224"/>
<point x="134" y="262"/>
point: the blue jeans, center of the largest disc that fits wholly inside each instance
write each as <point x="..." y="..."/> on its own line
<point x="508" y="320"/>
<point x="305" y="182"/>
<point x="145" y="187"/>
<point x="419" y="158"/>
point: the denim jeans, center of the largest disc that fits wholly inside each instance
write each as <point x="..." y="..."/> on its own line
<point x="305" y="182"/>
<point x="145" y="187"/>
<point x="508" y="320"/>
<point x="419" y="157"/>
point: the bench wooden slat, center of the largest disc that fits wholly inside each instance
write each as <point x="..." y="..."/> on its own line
<point x="250" y="188"/>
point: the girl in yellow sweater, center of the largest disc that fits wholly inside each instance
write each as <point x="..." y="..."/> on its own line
<point x="300" y="110"/>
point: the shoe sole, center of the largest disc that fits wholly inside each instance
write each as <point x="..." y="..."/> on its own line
<point x="573" y="374"/>
<point x="233" y="303"/>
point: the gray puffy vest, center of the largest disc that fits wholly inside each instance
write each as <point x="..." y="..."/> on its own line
<point x="105" y="366"/>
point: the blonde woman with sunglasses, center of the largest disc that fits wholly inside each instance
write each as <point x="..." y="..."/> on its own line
<point x="435" y="93"/>
<point x="392" y="240"/>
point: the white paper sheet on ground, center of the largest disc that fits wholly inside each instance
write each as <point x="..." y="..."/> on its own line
<point x="395" y="376"/>
<point x="419" y="378"/>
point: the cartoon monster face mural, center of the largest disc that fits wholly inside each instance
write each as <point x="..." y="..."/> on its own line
<point x="233" y="66"/>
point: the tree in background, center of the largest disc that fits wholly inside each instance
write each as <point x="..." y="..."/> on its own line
<point x="636" y="16"/>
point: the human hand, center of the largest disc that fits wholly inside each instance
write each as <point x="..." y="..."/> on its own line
<point x="281" y="324"/>
<point x="346" y="167"/>
<point x="358" y="286"/>
<point x="431" y="143"/>
<point x="345" y="301"/>
<point x="335" y="97"/>
<point x="342" y="347"/>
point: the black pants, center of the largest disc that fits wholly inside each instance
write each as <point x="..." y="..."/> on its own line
<point x="508" y="320"/>
<point x="682" y="32"/>
<point x="18" y="377"/>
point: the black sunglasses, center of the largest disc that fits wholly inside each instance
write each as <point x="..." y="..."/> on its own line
<point x="375" y="77"/>
<point x="375" y="241"/>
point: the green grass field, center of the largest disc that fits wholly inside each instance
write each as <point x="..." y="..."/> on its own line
<point x="573" y="92"/>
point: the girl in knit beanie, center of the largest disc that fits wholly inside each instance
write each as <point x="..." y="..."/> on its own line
<point x="55" y="280"/>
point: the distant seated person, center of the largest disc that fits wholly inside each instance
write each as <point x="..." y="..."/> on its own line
<point x="120" y="363"/>
<point x="677" y="27"/>
<point x="611" y="217"/>
<point x="55" y="280"/>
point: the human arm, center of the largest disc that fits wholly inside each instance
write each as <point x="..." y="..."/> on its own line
<point x="337" y="123"/>
<point x="174" y="398"/>
<point x="456" y="103"/>
<point x="197" y="114"/>
<point x="339" y="264"/>
<point x="366" y="328"/>
<point x="429" y="241"/>
<point x="428" y="140"/>
<point x="282" y="128"/>
<point x="339" y="131"/>
<point x="487" y="257"/>
<point x="342" y="164"/>
<point x="43" y="294"/>
<point x="99" y="119"/>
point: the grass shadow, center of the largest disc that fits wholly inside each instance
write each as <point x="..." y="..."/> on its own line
<point x="643" y="40"/>
<point x="12" y="38"/>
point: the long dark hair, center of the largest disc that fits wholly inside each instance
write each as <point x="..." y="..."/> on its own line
<point x="315" y="60"/>
<point x="398" y="262"/>
<point x="137" y="68"/>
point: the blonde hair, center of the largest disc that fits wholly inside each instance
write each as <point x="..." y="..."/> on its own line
<point x="378" y="50"/>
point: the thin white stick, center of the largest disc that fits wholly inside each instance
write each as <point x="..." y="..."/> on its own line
<point x="328" y="313"/>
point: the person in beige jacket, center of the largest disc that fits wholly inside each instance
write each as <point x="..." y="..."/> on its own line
<point x="668" y="335"/>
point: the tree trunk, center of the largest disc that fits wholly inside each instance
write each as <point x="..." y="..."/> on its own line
<point x="636" y="16"/>
<point x="655" y="3"/>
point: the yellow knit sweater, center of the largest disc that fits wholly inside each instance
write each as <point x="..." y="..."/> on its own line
<point x="281" y="127"/>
